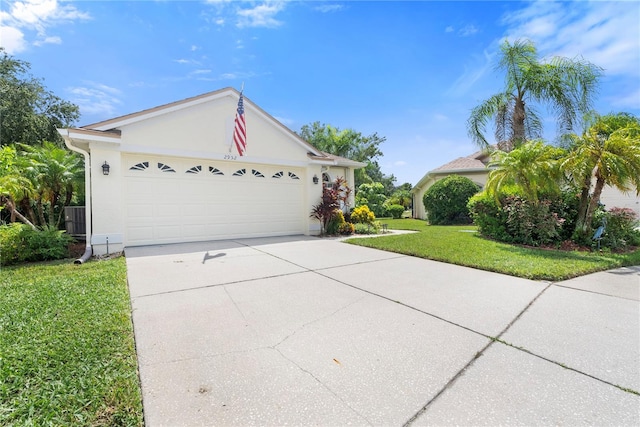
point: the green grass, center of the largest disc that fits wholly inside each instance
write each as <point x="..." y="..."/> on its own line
<point x="456" y="245"/>
<point x="67" y="354"/>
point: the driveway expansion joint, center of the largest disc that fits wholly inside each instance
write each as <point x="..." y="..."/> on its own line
<point x="326" y="387"/>
<point x="480" y="353"/>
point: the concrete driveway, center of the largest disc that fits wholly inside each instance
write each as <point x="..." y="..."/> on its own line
<point x="309" y="331"/>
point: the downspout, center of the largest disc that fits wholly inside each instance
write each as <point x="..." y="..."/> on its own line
<point x="88" y="251"/>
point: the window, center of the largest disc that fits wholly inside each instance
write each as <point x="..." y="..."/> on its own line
<point x="140" y="166"/>
<point x="165" y="168"/>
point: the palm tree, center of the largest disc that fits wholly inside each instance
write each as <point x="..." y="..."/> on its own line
<point x="608" y="151"/>
<point x="55" y="172"/>
<point x="566" y="85"/>
<point x="533" y="167"/>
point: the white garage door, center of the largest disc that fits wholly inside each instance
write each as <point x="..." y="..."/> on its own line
<point x="170" y="200"/>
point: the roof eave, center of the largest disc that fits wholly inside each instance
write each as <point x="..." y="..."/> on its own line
<point x="430" y="174"/>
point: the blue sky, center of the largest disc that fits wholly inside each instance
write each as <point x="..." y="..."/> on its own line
<point x="409" y="71"/>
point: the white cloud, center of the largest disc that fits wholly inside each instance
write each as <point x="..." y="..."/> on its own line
<point x="604" y="33"/>
<point x="285" y="121"/>
<point x="12" y="40"/>
<point x="472" y="73"/>
<point x="449" y="29"/>
<point x="96" y="98"/>
<point x="186" y="61"/>
<point x="325" y="8"/>
<point x="262" y="15"/>
<point x="48" y="40"/>
<point x="399" y="163"/>
<point x="240" y="75"/>
<point x="35" y="16"/>
<point x="468" y="30"/>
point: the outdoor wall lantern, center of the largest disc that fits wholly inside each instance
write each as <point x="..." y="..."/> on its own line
<point x="105" y="168"/>
<point x="315" y="179"/>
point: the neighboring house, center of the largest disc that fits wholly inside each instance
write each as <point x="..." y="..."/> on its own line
<point x="475" y="168"/>
<point x="175" y="176"/>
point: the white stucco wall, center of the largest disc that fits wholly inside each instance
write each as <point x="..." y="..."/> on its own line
<point x="107" y="207"/>
<point x="205" y="130"/>
<point x="612" y="197"/>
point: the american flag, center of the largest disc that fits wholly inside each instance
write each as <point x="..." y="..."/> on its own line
<point x="240" y="128"/>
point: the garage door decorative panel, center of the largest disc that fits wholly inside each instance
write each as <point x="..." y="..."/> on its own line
<point x="171" y="200"/>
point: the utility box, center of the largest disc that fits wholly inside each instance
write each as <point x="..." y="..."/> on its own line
<point x="75" y="221"/>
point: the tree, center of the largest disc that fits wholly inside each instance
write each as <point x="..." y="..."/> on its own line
<point x="401" y="197"/>
<point x="533" y="167"/>
<point x="54" y="172"/>
<point x="349" y="144"/>
<point x="446" y="200"/>
<point x="14" y="186"/>
<point x="566" y="85"/>
<point x="372" y="195"/>
<point x="608" y="151"/>
<point x="29" y="113"/>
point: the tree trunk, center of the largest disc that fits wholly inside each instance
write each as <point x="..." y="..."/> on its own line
<point x="584" y="204"/>
<point x="595" y="199"/>
<point x="14" y="212"/>
<point x="40" y="210"/>
<point x="27" y="208"/>
<point x="518" y="124"/>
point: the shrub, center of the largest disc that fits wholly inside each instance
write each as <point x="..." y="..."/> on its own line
<point x="446" y="200"/>
<point x="335" y="222"/>
<point x="566" y="207"/>
<point x="514" y="219"/>
<point x="395" y="211"/>
<point x="332" y="197"/>
<point x="488" y="216"/>
<point x="362" y="228"/>
<point x="346" y="229"/>
<point x="20" y="243"/>
<point x="11" y="244"/>
<point x="532" y="223"/>
<point x="362" y="215"/>
<point x="620" y="230"/>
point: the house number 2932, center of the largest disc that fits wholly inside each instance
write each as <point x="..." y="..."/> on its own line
<point x="230" y="157"/>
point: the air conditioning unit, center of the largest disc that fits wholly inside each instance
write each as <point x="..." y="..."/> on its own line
<point x="75" y="221"/>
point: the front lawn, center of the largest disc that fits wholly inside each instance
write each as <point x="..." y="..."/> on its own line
<point x="461" y="245"/>
<point x="67" y="354"/>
